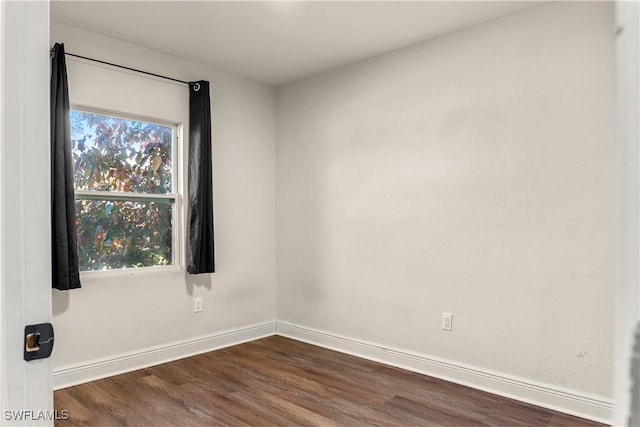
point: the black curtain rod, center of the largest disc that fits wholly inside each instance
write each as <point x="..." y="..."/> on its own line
<point x="128" y="68"/>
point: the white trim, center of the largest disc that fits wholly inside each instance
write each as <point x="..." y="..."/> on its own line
<point x="67" y="376"/>
<point x="134" y="271"/>
<point x="25" y="231"/>
<point x="627" y="292"/>
<point x="596" y="408"/>
<point x="122" y="195"/>
<point x="4" y="388"/>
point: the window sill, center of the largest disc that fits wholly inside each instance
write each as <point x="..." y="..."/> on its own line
<point x="129" y="272"/>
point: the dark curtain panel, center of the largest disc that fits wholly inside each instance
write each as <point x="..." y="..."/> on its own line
<point x="63" y="212"/>
<point x="200" y="239"/>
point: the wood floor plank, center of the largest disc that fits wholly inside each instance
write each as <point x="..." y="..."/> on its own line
<point x="281" y="382"/>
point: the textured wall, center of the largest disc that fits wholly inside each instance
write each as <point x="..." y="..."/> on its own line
<point x="473" y="173"/>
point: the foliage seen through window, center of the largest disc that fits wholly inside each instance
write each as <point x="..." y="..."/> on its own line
<point x="131" y="225"/>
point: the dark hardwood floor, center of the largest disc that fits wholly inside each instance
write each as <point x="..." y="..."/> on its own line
<point x="281" y="382"/>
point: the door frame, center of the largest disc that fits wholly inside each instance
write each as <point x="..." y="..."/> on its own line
<point x="25" y="229"/>
<point x="627" y="311"/>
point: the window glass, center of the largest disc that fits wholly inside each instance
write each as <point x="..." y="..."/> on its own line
<point x="124" y="182"/>
<point x="114" y="154"/>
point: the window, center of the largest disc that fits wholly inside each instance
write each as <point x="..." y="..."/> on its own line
<point x="125" y="187"/>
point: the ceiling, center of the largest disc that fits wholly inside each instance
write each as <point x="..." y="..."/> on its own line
<point x="279" y="41"/>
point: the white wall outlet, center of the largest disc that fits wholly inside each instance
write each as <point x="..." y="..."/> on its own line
<point x="197" y="305"/>
<point x="447" y="321"/>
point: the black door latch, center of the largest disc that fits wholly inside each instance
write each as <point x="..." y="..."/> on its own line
<point x="38" y="341"/>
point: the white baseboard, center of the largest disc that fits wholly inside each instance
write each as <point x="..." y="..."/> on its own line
<point x="596" y="408"/>
<point x="572" y="402"/>
<point x="67" y="376"/>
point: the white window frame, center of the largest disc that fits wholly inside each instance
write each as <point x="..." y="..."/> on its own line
<point x="176" y="213"/>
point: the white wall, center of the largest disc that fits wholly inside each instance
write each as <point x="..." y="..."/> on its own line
<point x="114" y="315"/>
<point x="473" y="173"/>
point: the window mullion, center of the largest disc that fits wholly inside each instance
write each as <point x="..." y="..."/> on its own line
<point x="118" y="195"/>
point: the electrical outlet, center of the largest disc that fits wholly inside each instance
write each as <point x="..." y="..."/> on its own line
<point x="197" y="305"/>
<point x="447" y="321"/>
